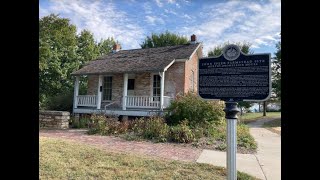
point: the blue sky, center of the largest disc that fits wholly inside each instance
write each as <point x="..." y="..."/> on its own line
<point x="214" y="22"/>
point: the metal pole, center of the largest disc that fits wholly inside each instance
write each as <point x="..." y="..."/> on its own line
<point x="231" y="111"/>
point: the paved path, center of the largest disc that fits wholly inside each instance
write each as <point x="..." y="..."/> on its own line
<point x="265" y="164"/>
<point x="269" y="150"/>
<point x="116" y="144"/>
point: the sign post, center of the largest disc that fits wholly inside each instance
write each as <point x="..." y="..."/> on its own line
<point x="233" y="77"/>
<point x="231" y="111"/>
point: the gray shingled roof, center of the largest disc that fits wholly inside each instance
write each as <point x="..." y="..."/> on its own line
<point x="137" y="60"/>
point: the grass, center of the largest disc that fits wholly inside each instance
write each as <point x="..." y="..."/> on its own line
<point x="251" y="117"/>
<point x="272" y="124"/>
<point x="61" y="159"/>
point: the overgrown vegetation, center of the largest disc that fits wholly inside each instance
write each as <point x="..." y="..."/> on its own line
<point x="186" y="123"/>
<point x="196" y="110"/>
<point x="60" y="159"/>
<point x="83" y="122"/>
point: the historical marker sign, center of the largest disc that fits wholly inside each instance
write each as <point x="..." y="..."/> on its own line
<point x="235" y="76"/>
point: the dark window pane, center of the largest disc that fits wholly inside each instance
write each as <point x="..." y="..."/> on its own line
<point x="107" y="88"/>
<point x="130" y="84"/>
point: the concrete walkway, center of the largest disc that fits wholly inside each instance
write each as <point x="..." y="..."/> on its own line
<point x="265" y="164"/>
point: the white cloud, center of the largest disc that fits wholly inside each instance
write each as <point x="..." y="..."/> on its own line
<point x="102" y="19"/>
<point x="147" y="8"/>
<point x="186" y="16"/>
<point x="153" y="20"/>
<point x="159" y="3"/>
<point x="235" y="21"/>
<point x="171" y="1"/>
<point x="170" y="11"/>
<point x="178" y="6"/>
<point x="43" y="12"/>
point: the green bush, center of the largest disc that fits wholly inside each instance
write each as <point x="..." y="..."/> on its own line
<point x="182" y="133"/>
<point x="82" y="123"/>
<point x="60" y="102"/>
<point x="105" y="125"/>
<point x="153" y="128"/>
<point x="195" y="109"/>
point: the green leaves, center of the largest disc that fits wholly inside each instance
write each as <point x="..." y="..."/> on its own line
<point x="276" y="71"/>
<point x="244" y="47"/>
<point x="163" y="39"/>
<point x="195" y="109"/>
<point x="62" y="51"/>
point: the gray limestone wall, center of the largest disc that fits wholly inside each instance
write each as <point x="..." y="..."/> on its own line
<point x="54" y="119"/>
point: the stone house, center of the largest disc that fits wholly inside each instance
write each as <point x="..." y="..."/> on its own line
<point x="138" y="82"/>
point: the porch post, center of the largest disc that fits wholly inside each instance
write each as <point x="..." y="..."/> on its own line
<point x="161" y="90"/>
<point x="125" y="91"/>
<point x="99" y="92"/>
<point x="76" y="92"/>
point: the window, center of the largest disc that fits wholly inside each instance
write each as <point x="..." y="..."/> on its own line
<point x="107" y="88"/>
<point x="156" y="86"/>
<point x="130" y="84"/>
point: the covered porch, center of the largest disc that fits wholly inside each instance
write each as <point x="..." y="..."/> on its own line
<point x="139" y="94"/>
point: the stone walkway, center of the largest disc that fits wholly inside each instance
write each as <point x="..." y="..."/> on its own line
<point x="116" y="144"/>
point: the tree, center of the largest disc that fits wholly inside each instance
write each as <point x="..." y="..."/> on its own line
<point x="61" y="52"/>
<point x="163" y="39"/>
<point x="57" y="55"/>
<point x="105" y="46"/>
<point x="87" y="48"/>
<point x="276" y="72"/>
<point x="245" y="48"/>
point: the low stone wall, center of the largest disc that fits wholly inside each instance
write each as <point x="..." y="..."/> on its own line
<point x="54" y="119"/>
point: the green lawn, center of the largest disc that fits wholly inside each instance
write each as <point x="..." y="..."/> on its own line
<point x="250" y="117"/>
<point x="61" y="159"/>
<point x="274" y="123"/>
<point x="271" y="126"/>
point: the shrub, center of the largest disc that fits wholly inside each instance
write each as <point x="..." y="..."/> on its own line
<point x="82" y="123"/>
<point x="60" y="102"/>
<point x="195" y="109"/>
<point x="105" y="125"/>
<point x="182" y="133"/>
<point x="153" y="128"/>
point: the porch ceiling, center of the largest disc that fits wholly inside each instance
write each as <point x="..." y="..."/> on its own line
<point x="137" y="60"/>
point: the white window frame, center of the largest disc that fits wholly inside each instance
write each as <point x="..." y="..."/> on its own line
<point x="151" y="84"/>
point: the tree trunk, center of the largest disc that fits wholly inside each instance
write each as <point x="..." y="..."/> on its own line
<point x="259" y="107"/>
<point x="264" y="108"/>
<point x="240" y="111"/>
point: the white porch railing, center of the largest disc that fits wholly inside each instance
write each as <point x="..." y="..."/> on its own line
<point x="87" y="100"/>
<point x="146" y="101"/>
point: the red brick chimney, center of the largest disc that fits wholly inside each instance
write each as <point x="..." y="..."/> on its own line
<point x="116" y="48"/>
<point x="193" y="39"/>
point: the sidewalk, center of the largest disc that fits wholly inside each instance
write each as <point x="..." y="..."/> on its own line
<point x="265" y="164"/>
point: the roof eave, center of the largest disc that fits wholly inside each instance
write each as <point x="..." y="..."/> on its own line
<point x="195" y="51"/>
